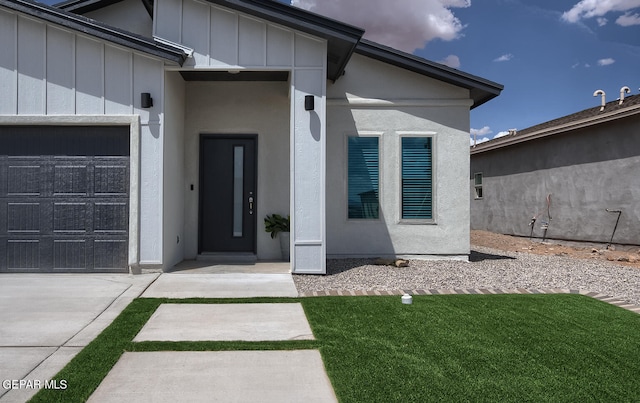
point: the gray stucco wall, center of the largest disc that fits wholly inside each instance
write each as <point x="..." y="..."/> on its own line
<point x="376" y="99"/>
<point x="585" y="171"/>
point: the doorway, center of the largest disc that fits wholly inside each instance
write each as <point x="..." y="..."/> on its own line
<point x="227" y="216"/>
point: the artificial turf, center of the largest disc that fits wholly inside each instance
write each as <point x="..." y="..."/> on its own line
<point x="440" y="348"/>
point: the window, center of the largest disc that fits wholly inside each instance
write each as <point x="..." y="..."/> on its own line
<point x="477" y="182"/>
<point x="417" y="184"/>
<point x="363" y="178"/>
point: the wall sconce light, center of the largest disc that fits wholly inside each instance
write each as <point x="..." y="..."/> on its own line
<point x="145" y="100"/>
<point x="309" y="102"/>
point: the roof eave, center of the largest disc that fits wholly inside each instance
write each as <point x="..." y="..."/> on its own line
<point x="94" y="28"/>
<point x="579" y="124"/>
<point x="481" y="90"/>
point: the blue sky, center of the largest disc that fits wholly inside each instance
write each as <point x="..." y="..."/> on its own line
<point x="551" y="55"/>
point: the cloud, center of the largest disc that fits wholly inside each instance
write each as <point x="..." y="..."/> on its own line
<point x="598" y="8"/>
<point x="481" y="132"/>
<point x="606" y="62"/>
<point x="451" y="61"/>
<point x="406" y="27"/>
<point x="628" y="20"/>
<point x="504" y="58"/>
<point x="480" y="135"/>
<point x="482" y="140"/>
<point x="501" y="134"/>
<point x="602" y="21"/>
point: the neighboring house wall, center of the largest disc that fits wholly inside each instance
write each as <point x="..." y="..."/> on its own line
<point x="240" y="108"/>
<point x="586" y="171"/>
<point x="129" y="15"/>
<point x="51" y="72"/>
<point x="376" y="99"/>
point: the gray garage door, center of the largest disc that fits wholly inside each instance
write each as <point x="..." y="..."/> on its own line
<point x="64" y="198"/>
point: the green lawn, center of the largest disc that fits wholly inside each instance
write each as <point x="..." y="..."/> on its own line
<point x="441" y="348"/>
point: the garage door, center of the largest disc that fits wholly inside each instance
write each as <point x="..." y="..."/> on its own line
<point x="64" y="198"/>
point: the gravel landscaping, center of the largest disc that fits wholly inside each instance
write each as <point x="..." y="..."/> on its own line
<point x="487" y="268"/>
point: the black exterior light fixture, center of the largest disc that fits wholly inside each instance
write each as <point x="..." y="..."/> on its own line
<point x="309" y="102"/>
<point x="145" y="100"/>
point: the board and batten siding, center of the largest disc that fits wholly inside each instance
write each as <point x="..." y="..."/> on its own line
<point x="223" y="38"/>
<point x="49" y="71"/>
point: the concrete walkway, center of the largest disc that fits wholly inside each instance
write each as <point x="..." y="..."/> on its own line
<point x="221" y="376"/>
<point x="53" y="316"/>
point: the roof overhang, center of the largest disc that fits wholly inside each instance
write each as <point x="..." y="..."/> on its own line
<point x="96" y="29"/>
<point x="480" y="90"/>
<point x="518" y="138"/>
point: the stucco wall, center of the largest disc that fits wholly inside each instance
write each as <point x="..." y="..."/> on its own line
<point x="586" y="171"/>
<point x="377" y="99"/>
<point x="173" y="178"/>
<point x="260" y="108"/>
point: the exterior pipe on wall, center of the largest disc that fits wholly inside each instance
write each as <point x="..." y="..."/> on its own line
<point x="616" y="226"/>
<point x="623" y="90"/>
<point x="603" y="98"/>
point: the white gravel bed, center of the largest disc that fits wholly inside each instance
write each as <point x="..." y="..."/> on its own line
<point x="488" y="268"/>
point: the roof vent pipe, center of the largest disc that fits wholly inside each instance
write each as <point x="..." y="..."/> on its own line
<point x="603" y="95"/>
<point x="623" y="90"/>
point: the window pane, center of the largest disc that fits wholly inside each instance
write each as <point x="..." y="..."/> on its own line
<point x="363" y="177"/>
<point x="416" y="178"/>
<point x="238" y="186"/>
<point x="478" y="179"/>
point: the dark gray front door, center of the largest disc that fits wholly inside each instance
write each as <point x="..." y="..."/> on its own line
<point x="227" y="194"/>
<point x="64" y="199"/>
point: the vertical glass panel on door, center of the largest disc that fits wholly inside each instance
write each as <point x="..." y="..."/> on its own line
<point x="238" y="187"/>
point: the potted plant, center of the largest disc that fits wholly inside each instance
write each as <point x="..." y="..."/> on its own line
<point x="277" y="224"/>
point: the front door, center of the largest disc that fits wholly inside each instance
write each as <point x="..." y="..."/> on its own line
<point x="227" y="194"/>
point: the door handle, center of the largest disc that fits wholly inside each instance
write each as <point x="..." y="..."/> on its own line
<point x="250" y="204"/>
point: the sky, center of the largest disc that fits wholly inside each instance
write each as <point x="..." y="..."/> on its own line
<point x="550" y="55"/>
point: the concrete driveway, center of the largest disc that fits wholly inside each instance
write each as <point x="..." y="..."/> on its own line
<point x="46" y="319"/>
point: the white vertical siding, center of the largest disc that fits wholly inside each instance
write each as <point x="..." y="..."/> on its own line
<point x="279" y="49"/>
<point x="118" y="86"/>
<point x="251" y="42"/>
<point x="168" y="19"/>
<point x="89" y="76"/>
<point x="8" y="63"/>
<point x="60" y="72"/>
<point x="31" y="66"/>
<point x="227" y="39"/>
<point x="224" y="38"/>
<point x="196" y="32"/>
<point x="309" y="52"/>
